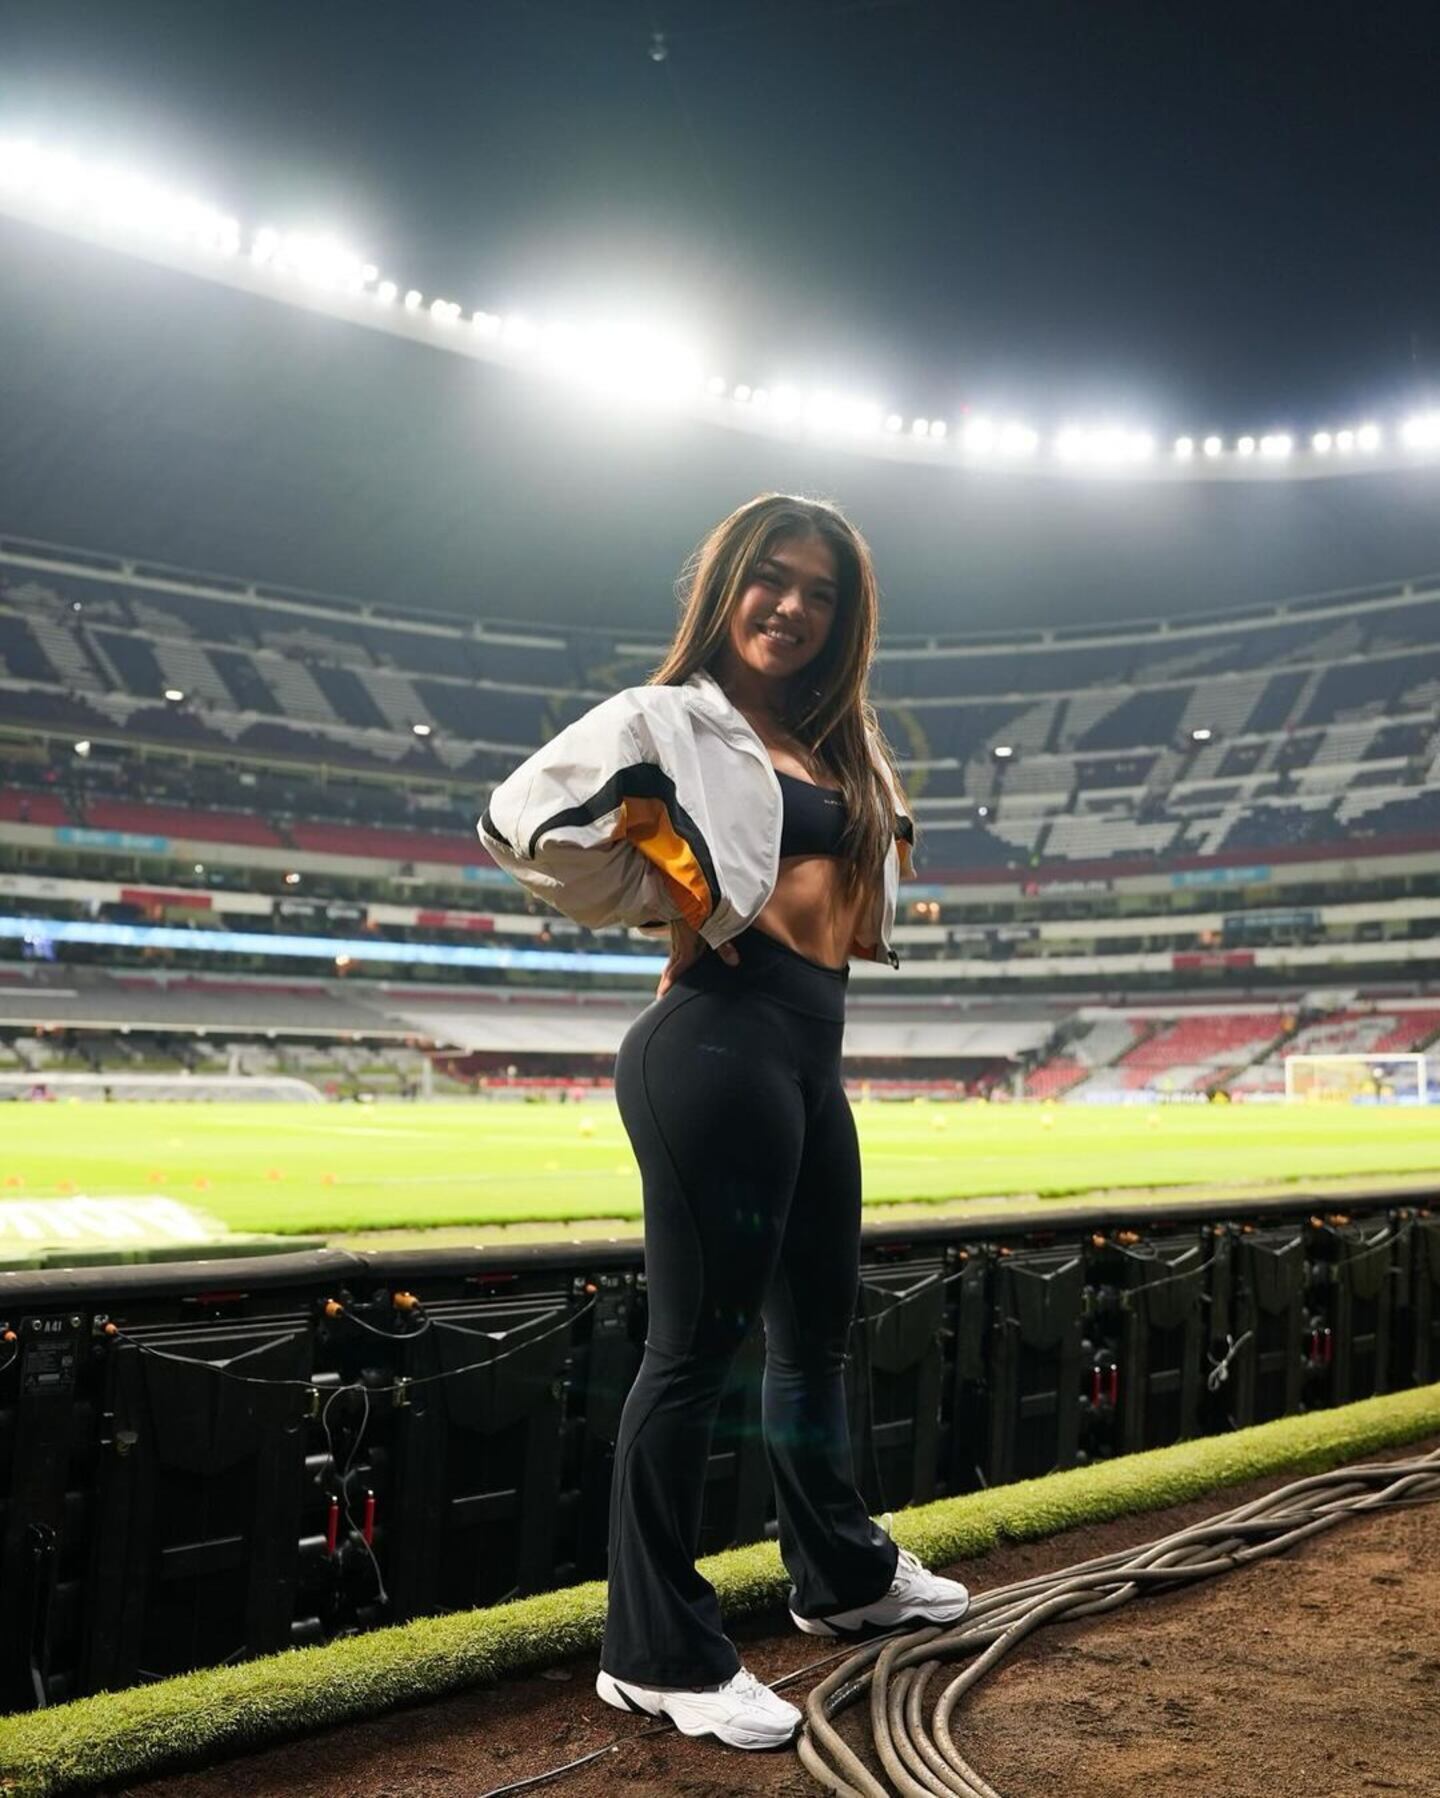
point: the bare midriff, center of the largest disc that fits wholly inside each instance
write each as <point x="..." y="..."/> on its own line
<point x="807" y="911"/>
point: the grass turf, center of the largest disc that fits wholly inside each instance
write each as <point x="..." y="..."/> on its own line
<point x="332" y="1168"/>
<point x="227" y="1710"/>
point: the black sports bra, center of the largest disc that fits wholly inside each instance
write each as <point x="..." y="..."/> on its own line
<point x="813" y="818"/>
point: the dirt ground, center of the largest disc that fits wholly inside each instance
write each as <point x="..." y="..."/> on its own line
<point x="1311" y="1675"/>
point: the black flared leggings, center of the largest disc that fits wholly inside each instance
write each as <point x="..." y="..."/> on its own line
<point x="729" y="1087"/>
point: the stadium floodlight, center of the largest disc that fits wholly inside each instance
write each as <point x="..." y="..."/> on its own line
<point x="1201" y="734"/>
<point x="842" y="414"/>
<point x="637" y="364"/>
<point x="1019" y="440"/>
<point x="561" y="345"/>
<point x="786" y="401"/>
<point x="292" y="879"/>
<point x="198" y="868"/>
<point x="82" y="748"/>
<point x="421" y="730"/>
<point x="982" y="436"/>
<point x="113" y="198"/>
<point x="107" y="202"/>
<point x="1003" y="751"/>
<point x="18" y="159"/>
<point x="321" y="261"/>
<point x="174" y="694"/>
<point x="982" y="811"/>
<point x="1105" y="446"/>
<point x="518" y="332"/>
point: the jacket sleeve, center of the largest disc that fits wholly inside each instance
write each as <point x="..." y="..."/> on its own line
<point x="591" y="824"/>
<point x="904" y="823"/>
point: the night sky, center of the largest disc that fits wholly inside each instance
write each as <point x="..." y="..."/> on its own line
<point x="1209" y="215"/>
<point x="1198" y="216"/>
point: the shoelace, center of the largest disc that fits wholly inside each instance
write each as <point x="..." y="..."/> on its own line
<point x="907" y="1563"/>
<point x="748" y="1688"/>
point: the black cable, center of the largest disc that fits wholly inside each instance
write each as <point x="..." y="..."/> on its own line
<point x="403" y="1384"/>
<point x="343" y="1479"/>
<point x="384" y="1335"/>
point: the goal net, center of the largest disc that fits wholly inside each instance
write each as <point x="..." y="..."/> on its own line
<point x="1358" y="1079"/>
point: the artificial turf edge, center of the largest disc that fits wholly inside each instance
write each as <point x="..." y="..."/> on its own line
<point x="204" y="1716"/>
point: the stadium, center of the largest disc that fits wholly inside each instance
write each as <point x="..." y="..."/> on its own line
<point x="322" y="1240"/>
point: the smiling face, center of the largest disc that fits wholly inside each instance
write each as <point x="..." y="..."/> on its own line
<point x="785" y="611"/>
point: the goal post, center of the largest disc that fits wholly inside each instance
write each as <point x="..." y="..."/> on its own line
<point x="1357" y="1079"/>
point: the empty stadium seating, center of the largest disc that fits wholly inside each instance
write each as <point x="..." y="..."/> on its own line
<point x="173" y="821"/>
<point x="1324" y="723"/>
<point x="389" y="845"/>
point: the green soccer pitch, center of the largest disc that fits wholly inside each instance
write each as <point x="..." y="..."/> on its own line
<point x="328" y="1169"/>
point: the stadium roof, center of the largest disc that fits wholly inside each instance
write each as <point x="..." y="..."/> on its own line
<point x="154" y="415"/>
<point x="1215" y="220"/>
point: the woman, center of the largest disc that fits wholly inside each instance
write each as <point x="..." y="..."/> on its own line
<point x="745" y="803"/>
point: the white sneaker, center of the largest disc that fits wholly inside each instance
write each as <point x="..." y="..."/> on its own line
<point x="743" y="1712"/>
<point x="915" y="1597"/>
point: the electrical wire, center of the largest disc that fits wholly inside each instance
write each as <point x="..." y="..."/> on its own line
<point x="343" y="1480"/>
<point x="905" y="1661"/>
<point x="404" y="1383"/>
<point x="914" y="1737"/>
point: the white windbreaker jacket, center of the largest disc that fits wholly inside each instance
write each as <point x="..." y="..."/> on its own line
<point x="663" y="803"/>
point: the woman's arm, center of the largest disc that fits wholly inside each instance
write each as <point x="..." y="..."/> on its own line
<point x="590" y="824"/>
<point x="557" y="823"/>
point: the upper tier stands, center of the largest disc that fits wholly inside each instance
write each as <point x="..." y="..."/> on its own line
<point x="1322" y="718"/>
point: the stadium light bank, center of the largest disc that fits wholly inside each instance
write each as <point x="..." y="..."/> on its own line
<point x="639" y="365"/>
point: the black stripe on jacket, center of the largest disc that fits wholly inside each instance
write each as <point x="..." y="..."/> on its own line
<point x="641" y="780"/>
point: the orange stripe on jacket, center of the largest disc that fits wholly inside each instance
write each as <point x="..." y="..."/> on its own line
<point x="648" y="826"/>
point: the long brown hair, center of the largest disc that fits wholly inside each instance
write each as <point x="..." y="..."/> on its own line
<point x="827" y="703"/>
